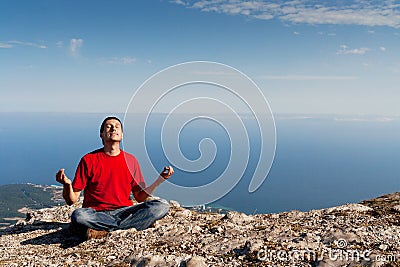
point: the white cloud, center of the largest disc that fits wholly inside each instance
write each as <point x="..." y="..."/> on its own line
<point x="5" y="45"/>
<point x="60" y="44"/>
<point x="75" y="45"/>
<point x="128" y="60"/>
<point x="179" y="2"/>
<point x="308" y="78"/>
<point x="13" y="43"/>
<point x="27" y="44"/>
<point x="264" y="16"/>
<point x="357" y="51"/>
<point x="365" y="119"/>
<point x="118" y="60"/>
<point x="383" y="49"/>
<point x="355" y="12"/>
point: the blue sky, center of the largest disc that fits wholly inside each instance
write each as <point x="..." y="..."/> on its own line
<point x="307" y="56"/>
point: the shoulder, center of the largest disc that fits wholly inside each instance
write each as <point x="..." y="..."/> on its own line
<point x="97" y="151"/>
<point x="93" y="154"/>
<point x="129" y="157"/>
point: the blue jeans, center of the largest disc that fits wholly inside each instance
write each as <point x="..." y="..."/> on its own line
<point x="139" y="216"/>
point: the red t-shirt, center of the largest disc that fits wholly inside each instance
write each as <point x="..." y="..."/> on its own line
<point x="107" y="181"/>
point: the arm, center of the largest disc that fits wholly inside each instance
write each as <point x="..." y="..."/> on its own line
<point x="142" y="194"/>
<point x="69" y="194"/>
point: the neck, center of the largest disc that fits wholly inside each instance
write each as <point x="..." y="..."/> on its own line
<point x="112" y="149"/>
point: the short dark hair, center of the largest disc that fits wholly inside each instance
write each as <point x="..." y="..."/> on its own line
<point x="106" y="119"/>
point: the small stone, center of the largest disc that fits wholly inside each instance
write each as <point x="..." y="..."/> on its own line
<point x="196" y="229"/>
<point x="215" y="230"/>
<point x="349" y="208"/>
<point x="383" y="247"/>
<point x="184" y="213"/>
<point x="244" y="250"/>
<point x="237" y="217"/>
<point x="196" y="261"/>
<point x="151" y="261"/>
<point x="174" y="204"/>
<point x="275" y="216"/>
<point x="20" y="224"/>
<point x="30" y="217"/>
<point x="396" y="208"/>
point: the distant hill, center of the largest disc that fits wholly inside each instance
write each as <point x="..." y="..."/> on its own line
<point x="16" y="196"/>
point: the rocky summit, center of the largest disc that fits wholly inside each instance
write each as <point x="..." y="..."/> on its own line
<point x="364" y="234"/>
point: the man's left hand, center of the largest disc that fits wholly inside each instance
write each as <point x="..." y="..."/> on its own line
<point x="167" y="172"/>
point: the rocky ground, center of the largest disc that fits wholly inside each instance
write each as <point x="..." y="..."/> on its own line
<point x="365" y="234"/>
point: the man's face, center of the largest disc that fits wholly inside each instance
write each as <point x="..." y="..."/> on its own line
<point x="112" y="131"/>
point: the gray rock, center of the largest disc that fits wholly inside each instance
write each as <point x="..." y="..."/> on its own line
<point x="243" y="250"/>
<point x="151" y="261"/>
<point x="174" y="203"/>
<point x="349" y="208"/>
<point x="196" y="261"/>
<point x="396" y="208"/>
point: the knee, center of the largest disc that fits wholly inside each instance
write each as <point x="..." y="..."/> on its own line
<point x="162" y="207"/>
<point x="164" y="204"/>
<point x="79" y="216"/>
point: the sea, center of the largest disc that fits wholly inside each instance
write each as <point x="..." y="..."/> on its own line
<point x="320" y="160"/>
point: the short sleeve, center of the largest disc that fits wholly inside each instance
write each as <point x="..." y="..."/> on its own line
<point x="81" y="176"/>
<point x="138" y="182"/>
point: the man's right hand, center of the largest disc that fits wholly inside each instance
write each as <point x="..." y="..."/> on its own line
<point x="69" y="194"/>
<point x="62" y="178"/>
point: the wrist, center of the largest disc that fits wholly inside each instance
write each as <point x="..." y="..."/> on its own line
<point x="160" y="179"/>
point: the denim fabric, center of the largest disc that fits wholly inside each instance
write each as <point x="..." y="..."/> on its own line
<point x="139" y="216"/>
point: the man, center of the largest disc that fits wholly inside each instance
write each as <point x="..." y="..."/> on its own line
<point x="108" y="176"/>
